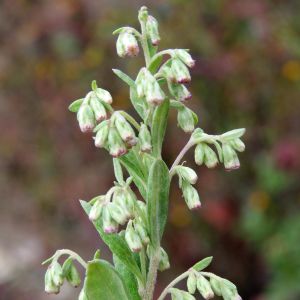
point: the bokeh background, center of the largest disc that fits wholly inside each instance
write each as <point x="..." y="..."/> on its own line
<point x="247" y="75"/>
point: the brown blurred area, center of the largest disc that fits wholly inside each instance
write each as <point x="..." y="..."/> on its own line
<point x="247" y="75"/>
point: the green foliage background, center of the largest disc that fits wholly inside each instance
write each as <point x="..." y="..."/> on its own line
<point x="247" y="75"/>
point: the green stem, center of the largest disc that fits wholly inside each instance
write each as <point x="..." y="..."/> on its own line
<point x="173" y="283"/>
<point x="143" y="263"/>
<point x="152" y="274"/>
<point x="130" y="119"/>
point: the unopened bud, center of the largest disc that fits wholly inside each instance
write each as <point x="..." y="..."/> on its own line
<point x="71" y="273"/>
<point x="238" y="145"/>
<point x="152" y="30"/>
<point x="180" y="71"/>
<point x="140" y="83"/>
<point x="185" y="119"/>
<point x="204" y="287"/>
<point x="132" y="238"/>
<point x="102" y="134"/>
<point x="232" y="134"/>
<point x="192" y="283"/>
<point x="210" y="157"/>
<point x="124" y="128"/>
<point x="104" y="95"/>
<point x="130" y="200"/>
<point x="231" y="160"/>
<point x="96" y="209"/>
<point x="117" y="213"/>
<point x="154" y="93"/>
<point x="164" y="262"/>
<point x="179" y="91"/>
<point x="199" y="154"/>
<point x="86" y="118"/>
<point x="109" y="225"/>
<point x="127" y="45"/>
<point x="142" y="232"/>
<point x="191" y="196"/>
<point x="120" y="200"/>
<point x="98" y="108"/>
<point x="145" y="138"/>
<point x="186" y="174"/>
<point x="177" y="294"/>
<point x="185" y="57"/>
<point x="57" y="273"/>
<point x="115" y="143"/>
<point x="216" y="286"/>
<point x="50" y="287"/>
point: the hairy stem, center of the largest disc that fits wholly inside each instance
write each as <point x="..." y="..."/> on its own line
<point x="152" y="274"/>
<point x="173" y="283"/>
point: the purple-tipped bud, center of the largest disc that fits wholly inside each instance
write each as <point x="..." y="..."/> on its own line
<point x="145" y="139"/>
<point x="179" y="91"/>
<point x="185" y="57"/>
<point x="117" y="213"/>
<point x="132" y="238"/>
<point x="191" y="196"/>
<point x="104" y="95"/>
<point x="127" y="45"/>
<point x="142" y="232"/>
<point x="180" y="71"/>
<point x="231" y="160"/>
<point x="98" y="108"/>
<point x="140" y="83"/>
<point x="109" y="225"/>
<point x="210" y="157"/>
<point x="152" y="30"/>
<point x="124" y="128"/>
<point x="102" y="134"/>
<point x="86" y="118"/>
<point x="115" y="143"/>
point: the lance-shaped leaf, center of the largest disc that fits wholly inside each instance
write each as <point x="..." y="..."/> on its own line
<point x="116" y="244"/>
<point x="75" y="105"/>
<point x="124" y="77"/>
<point x="202" y="264"/>
<point x="139" y="104"/>
<point x="128" y="278"/>
<point x="159" y="125"/>
<point x="157" y="200"/>
<point x="103" y="282"/>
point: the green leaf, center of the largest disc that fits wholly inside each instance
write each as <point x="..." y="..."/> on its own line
<point x="103" y="282"/>
<point x="75" y="105"/>
<point x="155" y="64"/>
<point x="118" y="170"/>
<point x="124" y="77"/>
<point x="157" y="200"/>
<point x="128" y="278"/>
<point x="136" y="170"/>
<point x="139" y="104"/>
<point x="116" y="244"/>
<point x="202" y="264"/>
<point x="160" y="119"/>
<point x="94" y="85"/>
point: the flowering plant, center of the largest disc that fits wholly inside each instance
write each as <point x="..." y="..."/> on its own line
<point x="133" y="228"/>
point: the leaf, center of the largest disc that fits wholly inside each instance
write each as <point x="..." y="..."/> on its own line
<point x="75" y="105"/>
<point x="124" y="77"/>
<point x="103" y="282"/>
<point x="128" y="278"/>
<point x="135" y="169"/>
<point x="202" y="264"/>
<point x="116" y="244"/>
<point x="118" y="171"/>
<point x="232" y="134"/>
<point x="139" y="104"/>
<point x="160" y="119"/>
<point x="157" y="200"/>
<point x="155" y="64"/>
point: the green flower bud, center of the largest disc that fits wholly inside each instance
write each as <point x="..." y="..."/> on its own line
<point x="216" y="286"/>
<point x="204" y="287"/>
<point x="176" y="294"/>
<point x="142" y="232"/>
<point x="96" y="209"/>
<point x="180" y="71"/>
<point x="127" y="45"/>
<point x="152" y="30"/>
<point x="229" y="290"/>
<point x="185" y="119"/>
<point x="98" y="108"/>
<point x="117" y="213"/>
<point x="185" y="57"/>
<point x="124" y="128"/>
<point x="120" y="200"/>
<point x="57" y="273"/>
<point x="231" y="160"/>
<point x="210" y="157"/>
<point x="104" y="95"/>
<point x="102" y="134"/>
<point x="191" y="196"/>
<point x="71" y="273"/>
<point x="130" y="200"/>
<point x="154" y="94"/>
<point x="140" y="83"/>
<point x="132" y="238"/>
<point x="232" y="134"/>
<point x="115" y="143"/>
<point x="179" y="91"/>
<point x="50" y="287"/>
<point x="237" y="145"/>
<point x="199" y="154"/>
<point x="86" y="118"/>
<point x="145" y="139"/>
<point x="109" y="225"/>
<point x="186" y="174"/>
<point x="164" y="262"/>
<point x="192" y="283"/>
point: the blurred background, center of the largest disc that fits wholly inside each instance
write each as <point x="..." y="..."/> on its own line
<point x="247" y="75"/>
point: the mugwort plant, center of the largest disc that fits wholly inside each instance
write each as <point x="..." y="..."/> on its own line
<point x="132" y="223"/>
